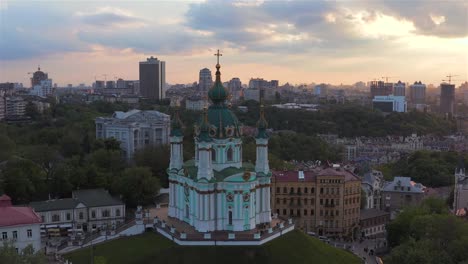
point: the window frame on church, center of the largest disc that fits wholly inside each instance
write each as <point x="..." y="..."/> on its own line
<point x="230" y="154"/>
<point x="213" y="154"/>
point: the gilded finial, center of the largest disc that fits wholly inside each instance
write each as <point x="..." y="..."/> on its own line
<point x="218" y="55"/>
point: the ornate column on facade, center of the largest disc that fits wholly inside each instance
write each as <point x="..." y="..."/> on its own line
<point x="205" y="168"/>
<point x="176" y="161"/>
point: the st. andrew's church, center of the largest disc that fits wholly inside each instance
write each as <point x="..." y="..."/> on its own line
<point x="217" y="191"/>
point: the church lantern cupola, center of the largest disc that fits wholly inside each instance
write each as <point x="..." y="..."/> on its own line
<point x="261" y="140"/>
<point x="176" y="139"/>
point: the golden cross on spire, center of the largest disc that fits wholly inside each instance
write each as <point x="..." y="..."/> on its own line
<point x="217" y="55"/>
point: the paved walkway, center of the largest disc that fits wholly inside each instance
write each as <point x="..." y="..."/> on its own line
<point x="181" y="226"/>
<point x="358" y="248"/>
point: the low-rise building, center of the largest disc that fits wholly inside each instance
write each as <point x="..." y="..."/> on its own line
<point x="389" y="103"/>
<point x="372" y="184"/>
<point x="373" y="222"/>
<point x="321" y="200"/>
<point x="135" y="129"/>
<point x="253" y="94"/>
<point x="20" y="225"/>
<point x="15" y="107"/>
<point x="402" y="192"/>
<point x="195" y="103"/>
<point x="85" y="211"/>
<point x="2" y="107"/>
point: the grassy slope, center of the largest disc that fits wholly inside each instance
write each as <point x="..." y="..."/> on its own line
<point x="294" y="247"/>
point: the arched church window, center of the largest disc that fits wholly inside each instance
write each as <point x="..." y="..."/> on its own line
<point x="230" y="154"/>
<point x="213" y="154"/>
<point x="240" y="152"/>
<point x="230" y="217"/>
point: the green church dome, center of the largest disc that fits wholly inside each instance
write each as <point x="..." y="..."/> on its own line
<point x="222" y="121"/>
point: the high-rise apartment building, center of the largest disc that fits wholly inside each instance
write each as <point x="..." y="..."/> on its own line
<point x="38" y="76"/>
<point x="266" y="89"/>
<point x="205" y="80"/>
<point x="322" y="200"/>
<point x="418" y="93"/>
<point x="321" y="90"/>
<point x="447" y="98"/>
<point x="153" y="78"/>
<point x="235" y="88"/>
<point x="379" y="88"/>
<point x="399" y="89"/>
<point x="43" y="89"/>
<point x="110" y="84"/>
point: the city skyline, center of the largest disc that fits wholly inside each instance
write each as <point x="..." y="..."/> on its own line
<point x="296" y="42"/>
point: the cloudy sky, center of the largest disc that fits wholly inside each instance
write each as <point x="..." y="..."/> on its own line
<point x="294" y="41"/>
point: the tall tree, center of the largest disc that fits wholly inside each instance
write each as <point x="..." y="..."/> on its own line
<point x="137" y="186"/>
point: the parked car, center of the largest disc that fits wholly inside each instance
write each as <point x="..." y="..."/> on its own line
<point x="312" y="234"/>
<point x="324" y="239"/>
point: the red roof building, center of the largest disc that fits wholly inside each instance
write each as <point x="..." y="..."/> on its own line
<point x="15" y="215"/>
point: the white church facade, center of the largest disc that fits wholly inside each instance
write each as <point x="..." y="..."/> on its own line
<point x="217" y="191"/>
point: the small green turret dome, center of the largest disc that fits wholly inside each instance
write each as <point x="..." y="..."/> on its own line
<point x="176" y="125"/>
<point x="203" y="130"/>
<point x="262" y="124"/>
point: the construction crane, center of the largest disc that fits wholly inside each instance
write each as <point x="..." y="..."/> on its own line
<point x="388" y="77"/>
<point x="450" y="78"/>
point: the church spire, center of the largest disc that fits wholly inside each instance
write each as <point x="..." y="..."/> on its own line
<point x="205" y="127"/>
<point x="176" y="125"/>
<point x="218" y="94"/>
<point x="262" y="124"/>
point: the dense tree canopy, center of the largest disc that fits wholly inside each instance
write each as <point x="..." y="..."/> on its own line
<point x="428" y="234"/>
<point x="350" y="120"/>
<point x="433" y="169"/>
<point x="57" y="152"/>
<point x="9" y="255"/>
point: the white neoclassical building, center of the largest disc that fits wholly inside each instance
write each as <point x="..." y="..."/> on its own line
<point x="217" y="190"/>
<point x="135" y="129"/>
<point x="19" y="225"/>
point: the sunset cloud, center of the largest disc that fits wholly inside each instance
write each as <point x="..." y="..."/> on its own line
<point x="330" y="41"/>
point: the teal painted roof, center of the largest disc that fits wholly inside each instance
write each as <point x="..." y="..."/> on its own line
<point x="219" y="176"/>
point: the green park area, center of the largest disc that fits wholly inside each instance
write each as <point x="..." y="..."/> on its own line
<point x="294" y="247"/>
